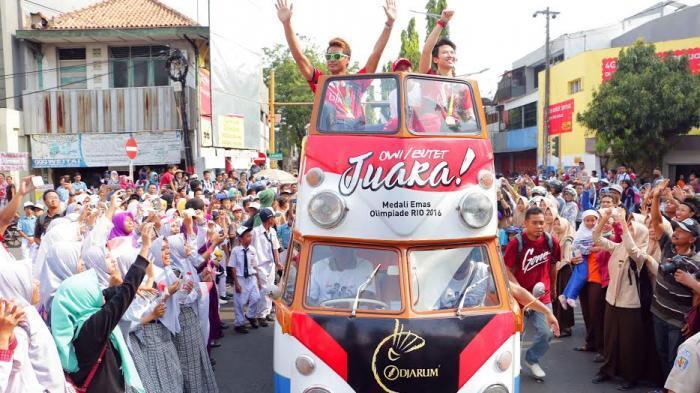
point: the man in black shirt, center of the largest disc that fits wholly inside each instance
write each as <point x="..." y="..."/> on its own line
<point x="53" y="210"/>
<point x="673" y="292"/>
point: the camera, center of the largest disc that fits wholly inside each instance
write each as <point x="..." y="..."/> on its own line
<point x="680" y="262"/>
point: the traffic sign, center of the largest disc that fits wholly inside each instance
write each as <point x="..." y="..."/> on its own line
<point x="132" y="148"/>
<point x="276" y="156"/>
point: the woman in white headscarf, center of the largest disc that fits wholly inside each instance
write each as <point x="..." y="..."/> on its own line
<point x="36" y="365"/>
<point x="149" y="331"/>
<point x="62" y="261"/>
<point x="197" y="371"/>
<point x="100" y="260"/>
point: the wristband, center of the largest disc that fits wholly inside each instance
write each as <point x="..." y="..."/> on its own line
<point x="442" y="23"/>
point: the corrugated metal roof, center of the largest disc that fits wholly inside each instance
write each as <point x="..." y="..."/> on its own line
<point x="121" y="14"/>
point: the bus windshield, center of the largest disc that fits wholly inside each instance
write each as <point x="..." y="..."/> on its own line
<point x="337" y="272"/>
<point x="440" y="278"/>
<point x="359" y="105"/>
<point x="437" y="106"/>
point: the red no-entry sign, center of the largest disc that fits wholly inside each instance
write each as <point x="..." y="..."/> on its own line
<point x="132" y="148"/>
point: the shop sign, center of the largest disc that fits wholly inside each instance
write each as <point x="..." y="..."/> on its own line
<point x="231" y="131"/>
<point x="14" y="161"/>
<point x="103" y="149"/>
<point x="561" y="117"/>
<point x="610" y="64"/>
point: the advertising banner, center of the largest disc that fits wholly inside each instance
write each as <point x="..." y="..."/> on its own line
<point x="100" y="149"/>
<point x="561" y="117"/>
<point x="610" y="64"/>
<point x="204" y="92"/>
<point x="398" y="189"/>
<point x="14" y="161"/>
<point x="205" y="131"/>
<point x="231" y="131"/>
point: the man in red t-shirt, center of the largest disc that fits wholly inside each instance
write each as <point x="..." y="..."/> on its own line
<point x="531" y="258"/>
<point x="168" y="178"/>
<point x="338" y="52"/>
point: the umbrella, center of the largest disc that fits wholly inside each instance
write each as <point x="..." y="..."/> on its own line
<point x="276" y="175"/>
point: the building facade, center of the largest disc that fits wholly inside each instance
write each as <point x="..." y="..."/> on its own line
<point x="573" y="82"/>
<point x="514" y="127"/>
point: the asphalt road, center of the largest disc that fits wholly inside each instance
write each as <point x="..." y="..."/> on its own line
<point x="244" y="364"/>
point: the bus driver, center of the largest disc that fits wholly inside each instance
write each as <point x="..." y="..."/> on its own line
<point x="339" y="275"/>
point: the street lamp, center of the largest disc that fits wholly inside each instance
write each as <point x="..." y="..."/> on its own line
<point x="545" y="111"/>
<point x="177" y="67"/>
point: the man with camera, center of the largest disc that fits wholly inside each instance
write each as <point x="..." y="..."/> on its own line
<point x="677" y="281"/>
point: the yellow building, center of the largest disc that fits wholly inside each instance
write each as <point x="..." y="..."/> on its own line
<point x="576" y="78"/>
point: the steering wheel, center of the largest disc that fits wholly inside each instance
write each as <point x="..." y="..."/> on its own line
<point x="351" y="301"/>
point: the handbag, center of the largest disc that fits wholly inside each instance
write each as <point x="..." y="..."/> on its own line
<point x="91" y="375"/>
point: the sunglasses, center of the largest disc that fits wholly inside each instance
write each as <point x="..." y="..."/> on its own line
<point x="335" y="56"/>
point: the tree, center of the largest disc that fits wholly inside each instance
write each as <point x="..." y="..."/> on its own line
<point x="410" y="43"/>
<point x="649" y="101"/>
<point x="435" y="7"/>
<point x="290" y="86"/>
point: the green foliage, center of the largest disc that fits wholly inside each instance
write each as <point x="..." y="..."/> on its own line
<point x="410" y="43"/>
<point x="649" y="101"/>
<point x="290" y="86"/>
<point x="435" y="7"/>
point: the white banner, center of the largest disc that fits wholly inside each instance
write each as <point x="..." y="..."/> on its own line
<point x="14" y="161"/>
<point x="98" y="149"/>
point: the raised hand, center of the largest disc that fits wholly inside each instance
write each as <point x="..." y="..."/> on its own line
<point x="390" y="11"/>
<point x="10" y="316"/>
<point x="25" y="185"/>
<point x="284" y="10"/>
<point x="446" y="15"/>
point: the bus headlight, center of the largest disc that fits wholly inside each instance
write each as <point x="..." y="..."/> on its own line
<point x="476" y="209"/>
<point x="327" y="209"/>
<point x="485" y="178"/>
<point x="504" y="360"/>
<point x="314" y="177"/>
<point x="305" y="365"/>
<point x="317" y="389"/>
<point x="496" y="389"/>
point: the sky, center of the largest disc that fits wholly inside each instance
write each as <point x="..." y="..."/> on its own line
<point x="489" y="34"/>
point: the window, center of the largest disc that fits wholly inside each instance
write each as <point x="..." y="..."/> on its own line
<point x="339" y="272"/>
<point x="72" y="68"/>
<point x="438" y="106"/>
<point x="363" y="105"/>
<point x="575" y="86"/>
<point x="138" y="66"/>
<point x="515" y="118"/>
<point x="445" y="278"/>
<point x="291" y="271"/>
<point x="530" y="114"/>
<point x="536" y="72"/>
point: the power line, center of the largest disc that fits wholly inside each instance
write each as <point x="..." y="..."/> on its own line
<point x="15" y="74"/>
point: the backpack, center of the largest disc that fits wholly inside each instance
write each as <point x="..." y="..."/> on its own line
<point x="645" y="288"/>
<point x="519" y="238"/>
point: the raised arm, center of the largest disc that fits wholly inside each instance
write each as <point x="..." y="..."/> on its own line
<point x="598" y="231"/>
<point x="7" y="214"/>
<point x="375" y="56"/>
<point x="284" y="13"/>
<point x="426" y="56"/>
<point x="656" y="219"/>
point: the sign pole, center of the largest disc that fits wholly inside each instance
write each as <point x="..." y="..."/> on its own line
<point x="131" y="171"/>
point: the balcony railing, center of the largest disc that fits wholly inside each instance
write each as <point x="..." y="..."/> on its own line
<point x="514" y="140"/>
<point x="105" y="110"/>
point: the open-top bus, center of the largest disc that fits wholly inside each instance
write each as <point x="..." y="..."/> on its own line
<point x="393" y="279"/>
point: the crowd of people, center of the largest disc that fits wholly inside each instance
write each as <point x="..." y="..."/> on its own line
<point x="119" y="285"/>
<point x="623" y="249"/>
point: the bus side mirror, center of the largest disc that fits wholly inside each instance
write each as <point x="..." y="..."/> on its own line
<point x="273" y="291"/>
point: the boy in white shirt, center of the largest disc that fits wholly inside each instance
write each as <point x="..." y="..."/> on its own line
<point x="244" y="264"/>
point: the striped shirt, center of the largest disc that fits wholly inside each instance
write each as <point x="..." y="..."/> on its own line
<point x="672" y="300"/>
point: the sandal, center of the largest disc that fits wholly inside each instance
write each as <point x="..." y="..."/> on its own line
<point x="583" y="348"/>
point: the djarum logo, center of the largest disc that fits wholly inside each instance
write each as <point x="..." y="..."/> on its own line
<point x="393" y="355"/>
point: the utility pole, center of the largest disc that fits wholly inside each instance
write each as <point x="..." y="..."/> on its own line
<point x="545" y="110"/>
<point x="271" y="117"/>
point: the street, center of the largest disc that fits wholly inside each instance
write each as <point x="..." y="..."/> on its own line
<point x="244" y="364"/>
